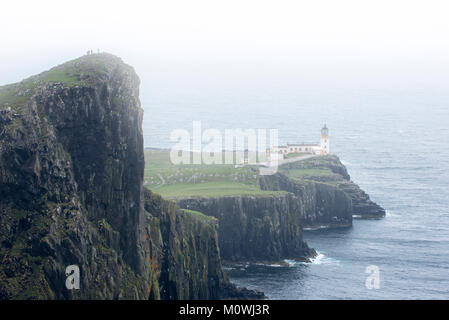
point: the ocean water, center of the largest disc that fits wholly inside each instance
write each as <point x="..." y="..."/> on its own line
<point x="394" y="142"/>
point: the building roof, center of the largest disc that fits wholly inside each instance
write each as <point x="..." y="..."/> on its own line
<point x="303" y="144"/>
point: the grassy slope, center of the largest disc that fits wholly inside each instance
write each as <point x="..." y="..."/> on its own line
<point x="295" y="154"/>
<point x="72" y="73"/>
<point x="200" y="215"/>
<point x="304" y="172"/>
<point x="313" y="169"/>
<point x="177" y="181"/>
<point x="211" y="189"/>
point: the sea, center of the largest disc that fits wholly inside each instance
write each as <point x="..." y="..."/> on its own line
<point x="393" y="139"/>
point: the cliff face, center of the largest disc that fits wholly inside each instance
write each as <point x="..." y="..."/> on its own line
<point x="183" y="251"/>
<point x="71" y="179"/>
<point x="184" y="254"/>
<point x="317" y="193"/>
<point x="336" y="176"/>
<point x="256" y="228"/>
<point x="319" y="204"/>
<point x="71" y="171"/>
<point x="269" y="228"/>
<point x="362" y="205"/>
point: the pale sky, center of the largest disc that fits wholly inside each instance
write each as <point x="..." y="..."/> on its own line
<point x="352" y="39"/>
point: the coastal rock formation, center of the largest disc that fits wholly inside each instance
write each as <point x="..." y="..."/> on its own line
<point x="320" y="205"/>
<point x="184" y="256"/>
<point x="255" y="228"/>
<point x="71" y="171"/>
<point x="269" y="228"/>
<point x="362" y="205"/>
<point x="329" y="171"/>
<point x="310" y="194"/>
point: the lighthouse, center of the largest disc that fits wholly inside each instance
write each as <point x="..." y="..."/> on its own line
<point x="324" y="142"/>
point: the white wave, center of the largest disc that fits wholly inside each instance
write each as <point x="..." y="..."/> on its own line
<point x="315" y="228"/>
<point x="388" y="213"/>
<point x="228" y="268"/>
<point x="323" y="259"/>
<point x="275" y="265"/>
<point x="290" y="263"/>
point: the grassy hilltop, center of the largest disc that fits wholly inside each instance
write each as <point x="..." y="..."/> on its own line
<point x="186" y="180"/>
<point x="82" y="71"/>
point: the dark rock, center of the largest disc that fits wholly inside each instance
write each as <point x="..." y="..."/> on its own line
<point x="233" y="293"/>
<point x="269" y="228"/>
<point x="319" y="204"/>
<point x="362" y="205"/>
<point x="255" y="228"/>
<point x="71" y="172"/>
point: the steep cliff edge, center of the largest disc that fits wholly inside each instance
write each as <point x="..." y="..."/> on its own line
<point x="319" y="204"/>
<point x="329" y="171"/>
<point x="71" y="171"/>
<point x="270" y="227"/>
<point x="184" y="254"/>
<point x="70" y="182"/>
<point x="313" y="193"/>
<point x="255" y="228"/>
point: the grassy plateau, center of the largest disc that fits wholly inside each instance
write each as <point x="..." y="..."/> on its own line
<point x="191" y="180"/>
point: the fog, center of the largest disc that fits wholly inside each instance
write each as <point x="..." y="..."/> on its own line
<point x="318" y="43"/>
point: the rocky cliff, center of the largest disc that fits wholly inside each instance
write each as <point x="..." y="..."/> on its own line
<point x="310" y="194"/>
<point x="71" y="171"/>
<point x="270" y="227"/>
<point x="256" y="228"/>
<point x="328" y="172"/>
<point x="183" y="254"/>
<point x="319" y="204"/>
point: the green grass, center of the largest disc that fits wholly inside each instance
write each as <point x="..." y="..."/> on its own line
<point x="159" y="170"/>
<point x="211" y="189"/>
<point x="188" y="180"/>
<point x="200" y="215"/>
<point x="301" y="173"/>
<point x="69" y="74"/>
<point x="65" y="75"/>
<point x="9" y="96"/>
<point x="296" y="154"/>
<point x="16" y="95"/>
<point x="314" y="169"/>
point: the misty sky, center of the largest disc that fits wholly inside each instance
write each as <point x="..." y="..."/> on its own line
<point x="311" y="41"/>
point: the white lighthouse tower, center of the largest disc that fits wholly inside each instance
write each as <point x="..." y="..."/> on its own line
<point x="324" y="142"/>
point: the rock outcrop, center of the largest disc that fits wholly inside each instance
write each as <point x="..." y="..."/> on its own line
<point x="71" y="171"/>
<point x="320" y="205"/>
<point x="256" y="228"/>
<point x="362" y="205"/>
<point x="184" y="256"/>
<point x="337" y="177"/>
<point x="307" y="194"/>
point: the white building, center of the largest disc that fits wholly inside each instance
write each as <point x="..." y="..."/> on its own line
<point x="324" y="141"/>
<point x="322" y="148"/>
